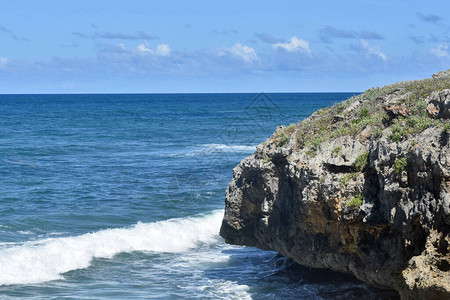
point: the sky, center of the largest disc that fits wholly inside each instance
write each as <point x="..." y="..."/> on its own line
<point x="144" y="46"/>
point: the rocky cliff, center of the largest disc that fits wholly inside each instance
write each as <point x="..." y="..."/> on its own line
<point x="362" y="187"/>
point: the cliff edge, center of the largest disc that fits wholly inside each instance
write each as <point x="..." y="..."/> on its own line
<point x="362" y="187"/>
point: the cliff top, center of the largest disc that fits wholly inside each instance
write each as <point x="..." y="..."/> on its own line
<point x="405" y="108"/>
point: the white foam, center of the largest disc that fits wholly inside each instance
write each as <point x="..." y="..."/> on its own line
<point x="24" y="232"/>
<point x="35" y="262"/>
<point x="226" y="289"/>
<point x="230" y="148"/>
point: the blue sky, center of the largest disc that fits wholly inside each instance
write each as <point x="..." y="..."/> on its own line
<point x="139" y="46"/>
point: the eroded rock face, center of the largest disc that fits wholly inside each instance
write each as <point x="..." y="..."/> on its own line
<point x="385" y="220"/>
<point x="439" y="104"/>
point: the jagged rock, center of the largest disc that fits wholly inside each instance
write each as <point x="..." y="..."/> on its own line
<point x="439" y="104"/>
<point x="397" y="110"/>
<point x="377" y="207"/>
<point x="338" y="118"/>
<point x="442" y="74"/>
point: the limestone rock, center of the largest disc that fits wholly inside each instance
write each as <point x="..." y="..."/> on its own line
<point x="442" y="74"/>
<point x="376" y="206"/>
<point x="439" y="104"/>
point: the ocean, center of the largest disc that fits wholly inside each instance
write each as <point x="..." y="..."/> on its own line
<point x="122" y="196"/>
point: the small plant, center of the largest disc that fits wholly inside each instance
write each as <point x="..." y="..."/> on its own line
<point x="347" y="177"/>
<point x="398" y="129"/>
<point x="291" y="128"/>
<point x="266" y="159"/>
<point x="321" y="112"/>
<point x="363" y="113"/>
<point x="400" y="165"/>
<point x="315" y="143"/>
<point x="447" y="127"/>
<point x="356" y="201"/>
<point x="378" y="132"/>
<point x="361" y="161"/>
<point x="284" y="135"/>
<point x="418" y="123"/>
<point x="340" y="107"/>
<point x="419" y="108"/>
<point x="336" y="151"/>
<point x="283" y="138"/>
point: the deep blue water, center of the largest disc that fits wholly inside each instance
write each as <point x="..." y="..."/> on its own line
<point x="121" y="197"/>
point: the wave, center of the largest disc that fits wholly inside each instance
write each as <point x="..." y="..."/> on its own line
<point x="45" y="260"/>
<point x="230" y="148"/>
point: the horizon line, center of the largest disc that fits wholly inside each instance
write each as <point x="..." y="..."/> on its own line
<point x="173" y="93"/>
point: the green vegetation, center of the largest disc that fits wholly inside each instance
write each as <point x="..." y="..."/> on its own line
<point x="340" y="107"/>
<point x="347" y="177"/>
<point x="283" y="138"/>
<point x="403" y="127"/>
<point x="315" y="142"/>
<point x="284" y="135"/>
<point x="398" y="130"/>
<point x="419" y="109"/>
<point x="447" y="127"/>
<point x="336" y="151"/>
<point x="400" y="165"/>
<point x="291" y="128"/>
<point x="377" y="132"/>
<point x="266" y="159"/>
<point x="361" y="161"/>
<point x="365" y="112"/>
<point x="357" y="201"/>
<point x="420" y="89"/>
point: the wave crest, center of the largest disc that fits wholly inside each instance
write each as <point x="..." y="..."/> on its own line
<point x="45" y="260"/>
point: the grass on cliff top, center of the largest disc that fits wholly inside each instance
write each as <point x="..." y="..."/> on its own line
<point x="365" y="115"/>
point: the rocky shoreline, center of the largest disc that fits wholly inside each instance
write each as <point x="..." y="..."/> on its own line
<point x="362" y="187"/>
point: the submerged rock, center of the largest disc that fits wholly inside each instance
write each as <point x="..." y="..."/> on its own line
<point x="367" y="193"/>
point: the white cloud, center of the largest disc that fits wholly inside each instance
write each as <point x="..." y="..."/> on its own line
<point x="440" y="51"/>
<point x="246" y="53"/>
<point x="294" y="44"/>
<point x="163" y="50"/>
<point x="375" y="50"/>
<point x="3" y="62"/>
<point x="143" y="48"/>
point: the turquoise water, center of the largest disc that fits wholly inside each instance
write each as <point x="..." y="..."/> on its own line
<point x="121" y="197"/>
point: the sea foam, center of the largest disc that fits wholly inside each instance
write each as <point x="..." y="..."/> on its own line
<point x="45" y="260"/>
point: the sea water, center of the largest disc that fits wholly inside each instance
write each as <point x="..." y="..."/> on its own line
<point x="122" y="197"/>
